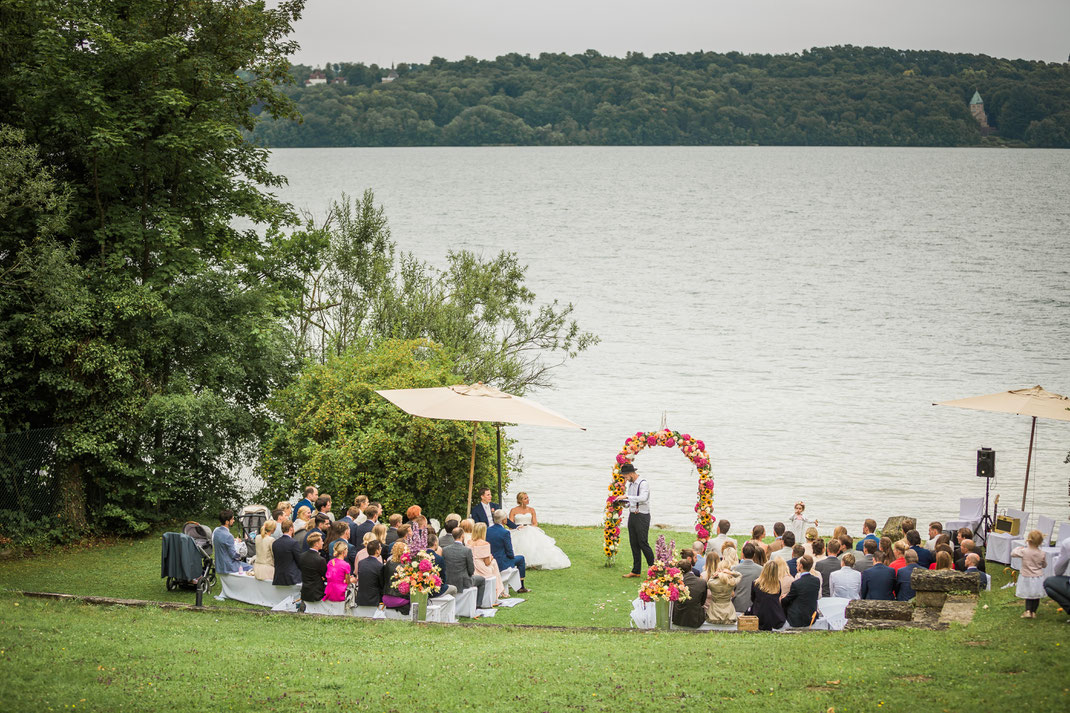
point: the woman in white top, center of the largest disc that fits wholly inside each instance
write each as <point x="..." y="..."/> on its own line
<point x="264" y="563"/>
<point x="846" y="582"/>
<point x="540" y="551"/>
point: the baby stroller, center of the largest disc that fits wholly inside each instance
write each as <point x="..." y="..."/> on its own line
<point x="186" y="559"/>
<point x="252" y="518"/>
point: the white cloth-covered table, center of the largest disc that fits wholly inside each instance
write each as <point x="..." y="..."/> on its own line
<point x="465" y="602"/>
<point x="243" y="588"/>
<point x="999" y="544"/>
<point x="1049" y="552"/>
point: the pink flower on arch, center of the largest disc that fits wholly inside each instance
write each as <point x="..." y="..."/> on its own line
<point x="671" y="442"/>
<point x="622" y="459"/>
<point x="685" y="437"/>
<point x="701" y="445"/>
<point x="638" y="434"/>
<point x="708" y="483"/>
<point x="703" y="533"/>
<point x="651" y="440"/>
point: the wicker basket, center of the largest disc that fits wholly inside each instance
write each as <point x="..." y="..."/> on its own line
<point x="748" y="623"/>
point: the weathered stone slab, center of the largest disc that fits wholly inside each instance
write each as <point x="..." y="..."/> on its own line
<point x="958" y="610"/>
<point x="893" y="528"/>
<point x="880" y="609"/>
<point x="930" y="600"/>
<point x="944" y="580"/>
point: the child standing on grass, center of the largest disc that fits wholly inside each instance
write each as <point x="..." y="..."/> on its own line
<point x="1031" y="580"/>
<point x="797" y="522"/>
<point x="337" y="573"/>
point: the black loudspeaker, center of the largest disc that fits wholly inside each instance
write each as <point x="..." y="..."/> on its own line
<point x="986" y="463"/>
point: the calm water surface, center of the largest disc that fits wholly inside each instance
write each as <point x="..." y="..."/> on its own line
<point x="799" y="309"/>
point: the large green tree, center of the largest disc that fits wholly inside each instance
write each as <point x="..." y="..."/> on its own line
<point x="160" y="334"/>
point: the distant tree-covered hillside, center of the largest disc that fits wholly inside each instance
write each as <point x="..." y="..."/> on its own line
<point x="842" y="96"/>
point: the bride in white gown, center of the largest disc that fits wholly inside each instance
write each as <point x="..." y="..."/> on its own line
<point x="538" y="548"/>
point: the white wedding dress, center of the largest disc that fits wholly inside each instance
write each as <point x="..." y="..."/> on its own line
<point x="538" y="548"/>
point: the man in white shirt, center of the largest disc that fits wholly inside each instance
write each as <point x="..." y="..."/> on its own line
<point x="638" y="504"/>
<point x="722" y="534"/>
<point x="935" y="530"/>
<point x="1058" y="586"/>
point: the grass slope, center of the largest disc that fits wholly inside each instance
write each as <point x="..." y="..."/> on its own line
<point x="61" y="655"/>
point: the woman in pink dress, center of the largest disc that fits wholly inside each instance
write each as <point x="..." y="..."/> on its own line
<point x="337" y="574"/>
<point x="484" y="562"/>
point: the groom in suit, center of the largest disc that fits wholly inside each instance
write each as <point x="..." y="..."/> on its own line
<point x="484" y="510"/>
<point x="501" y="547"/>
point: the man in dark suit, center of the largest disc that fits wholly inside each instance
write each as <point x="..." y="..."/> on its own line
<point x="878" y="582"/>
<point x="357" y="532"/>
<point x="829" y="565"/>
<point x="320" y="523"/>
<point x="484" y="509"/>
<point x="904" y="592"/>
<point x="864" y="562"/>
<point x="459" y="568"/>
<point x="501" y="548"/>
<point x="972" y="560"/>
<point x="371" y="577"/>
<point x="750" y="572"/>
<point x="432" y="549"/>
<point x="313" y="569"/>
<point x="393" y="523"/>
<point x="351" y="516"/>
<point x="800" y="603"/>
<point x="967" y="548"/>
<point x="925" y="556"/>
<point x="285" y="550"/>
<point x="690" y="613"/>
<point x="797" y="551"/>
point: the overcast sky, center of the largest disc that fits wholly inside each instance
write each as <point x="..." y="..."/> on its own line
<point x="417" y="30"/>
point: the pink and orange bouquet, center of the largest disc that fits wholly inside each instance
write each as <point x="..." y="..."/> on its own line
<point x="417" y="573"/>
<point x="665" y="580"/>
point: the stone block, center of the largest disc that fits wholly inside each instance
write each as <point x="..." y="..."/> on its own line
<point x="944" y="580"/>
<point x="880" y="609"/>
<point x="930" y="600"/>
<point x="893" y="528"/>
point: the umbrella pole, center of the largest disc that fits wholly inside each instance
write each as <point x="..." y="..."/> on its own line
<point x="1029" y="460"/>
<point x="498" y="431"/>
<point x="471" y="470"/>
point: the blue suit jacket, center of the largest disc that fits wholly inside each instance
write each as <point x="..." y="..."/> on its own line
<point x="878" y="582"/>
<point x="501" y="546"/>
<point x="925" y="557"/>
<point x="479" y="515"/>
<point x="903" y="591"/>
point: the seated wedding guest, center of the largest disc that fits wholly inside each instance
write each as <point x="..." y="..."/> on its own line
<point x="412" y="513"/>
<point x="304" y="515"/>
<point x="903" y="590"/>
<point x="935" y="530"/>
<point x="360" y="503"/>
<point x="946" y="549"/>
<point x="699" y="548"/>
<point x="969" y="547"/>
<point x="817" y="548"/>
<point x="878" y="582"/>
<point x="729" y="554"/>
<point x="838" y="532"/>
<point x="380" y="534"/>
<point x="797" y="551"/>
<point x="320" y="523"/>
<point x="485" y="564"/>
<point x="766" y="594"/>
<point x="866" y="560"/>
<point x="362" y="553"/>
<point x="403" y="534"/>
<point x="808" y="545"/>
<point x="264" y="564"/>
<point x="787" y="542"/>
<point x="436" y="554"/>
<point x="501" y="548"/>
<point x="313" y="569"/>
<point x="868" y="528"/>
<point x="371" y="573"/>
<point x="227" y="560"/>
<point x="778" y="538"/>
<point x="721" y="583"/>
<point x="311" y="493"/>
<point x="351" y="516"/>
<point x="284" y="553"/>
<point x="691" y="612"/>
<point x="393" y="523"/>
<point x="972" y="560"/>
<point x="884" y="547"/>
<point x="756" y="535"/>
<point x="459" y="565"/>
<point x="846" y="545"/>
<point x="454" y="520"/>
<point x="467" y="527"/>
<point x="749" y="572"/>
<point x="846" y="582"/>
<point x="800" y="605"/>
<point x="943" y="561"/>
<point x="357" y="532"/>
<point x="963" y="533"/>
<point x="827" y="566"/>
<point x="760" y="558"/>
<point x="338" y="573"/>
<point x="784" y="575"/>
<point x="277" y="514"/>
<point x="287" y="512"/>
<point x="899" y="549"/>
<point x="709" y="567"/>
<point x="323" y="505"/>
<point x="925" y="556"/>
<point x="717" y="543"/>
<point x="340" y="531"/>
<point x="393" y="598"/>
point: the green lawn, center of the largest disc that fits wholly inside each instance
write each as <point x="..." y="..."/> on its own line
<point x="59" y="655"/>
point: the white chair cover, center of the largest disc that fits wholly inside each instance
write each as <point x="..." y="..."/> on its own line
<point x="325" y="607"/>
<point x="971" y="510"/>
<point x="1046" y="525"/>
<point x="489" y="594"/>
<point x="833" y="612"/>
<point x="243" y="588"/>
<point x="465" y="602"/>
<point x="367" y="612"/>
<point x="644" y="615"/>
<point x="511" y="578"/>
<point x="999" y="545"/>
<point x="442" y="609"/>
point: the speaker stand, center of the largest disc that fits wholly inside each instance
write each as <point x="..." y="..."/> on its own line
<point x="986" y="523"/>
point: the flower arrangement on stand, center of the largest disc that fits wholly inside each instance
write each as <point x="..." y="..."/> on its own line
<point x="418" y="575"/>
<point x="664" y="583"/>
<point x="693" y="448"/>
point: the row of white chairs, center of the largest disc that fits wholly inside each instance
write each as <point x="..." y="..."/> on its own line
<point x="999" y="545"/>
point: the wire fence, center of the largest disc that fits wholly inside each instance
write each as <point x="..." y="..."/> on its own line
<point x="29" y="483"/>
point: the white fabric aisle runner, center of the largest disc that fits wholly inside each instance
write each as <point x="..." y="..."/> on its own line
<point x="488" y="612"/>
<point x="511" y="602"/>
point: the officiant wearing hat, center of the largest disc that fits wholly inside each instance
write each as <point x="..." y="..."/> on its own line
<point x="638" y="500"/>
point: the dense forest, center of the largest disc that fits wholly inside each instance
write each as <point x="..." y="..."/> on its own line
<point x="842" y="96"/>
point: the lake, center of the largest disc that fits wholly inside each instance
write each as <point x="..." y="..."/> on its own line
<point x="799" y="309"/>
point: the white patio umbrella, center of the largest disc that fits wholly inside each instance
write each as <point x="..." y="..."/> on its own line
<point x="1036" y="402"/>
<point x="477" y="403"/>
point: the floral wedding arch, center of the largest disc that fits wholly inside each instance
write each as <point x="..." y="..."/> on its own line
<point x="694" y="449"/>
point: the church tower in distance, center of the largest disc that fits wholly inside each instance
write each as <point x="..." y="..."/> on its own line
<point x="977" y="108"/>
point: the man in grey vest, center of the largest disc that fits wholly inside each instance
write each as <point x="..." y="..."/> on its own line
<point x="638" y="504"/>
